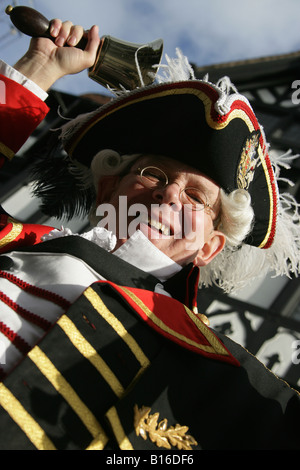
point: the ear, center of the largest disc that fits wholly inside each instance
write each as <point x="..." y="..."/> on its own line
<point x="106" y="187"/>
<point x="210" y="249"/>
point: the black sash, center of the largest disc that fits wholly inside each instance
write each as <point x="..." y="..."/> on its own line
<point x="181" y="286"/>
<point x="109" y="266"/>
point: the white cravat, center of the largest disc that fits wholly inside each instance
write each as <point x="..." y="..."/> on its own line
<point x="137" y="250"/>
<point x="140" y="252"/>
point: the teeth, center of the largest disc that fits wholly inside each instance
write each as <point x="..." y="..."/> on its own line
<point x="159" y="226"/>
<point x="156" y="224"/>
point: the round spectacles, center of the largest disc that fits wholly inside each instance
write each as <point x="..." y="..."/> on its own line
<point x="155" y="178"/>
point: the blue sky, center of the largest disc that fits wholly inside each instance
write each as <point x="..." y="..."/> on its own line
<point x="206" y="32"/>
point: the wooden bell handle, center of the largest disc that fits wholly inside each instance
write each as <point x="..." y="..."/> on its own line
<point x="33" y="24"/>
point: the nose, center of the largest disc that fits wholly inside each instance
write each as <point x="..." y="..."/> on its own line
<point x="169" y="194"/>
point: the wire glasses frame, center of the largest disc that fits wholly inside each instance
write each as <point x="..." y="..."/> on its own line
<point x="154" y="178"/>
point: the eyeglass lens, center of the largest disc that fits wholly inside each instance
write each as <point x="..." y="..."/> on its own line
<point x="153" y="177"/>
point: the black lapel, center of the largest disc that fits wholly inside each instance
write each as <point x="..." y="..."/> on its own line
<point x="183" y="286"/>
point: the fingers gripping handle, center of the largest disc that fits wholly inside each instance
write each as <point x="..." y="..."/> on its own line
<point x="116" y="63"/>
<point x="33" y="24"/>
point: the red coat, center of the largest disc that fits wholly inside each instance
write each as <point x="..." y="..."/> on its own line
<point x="21" y="112"/>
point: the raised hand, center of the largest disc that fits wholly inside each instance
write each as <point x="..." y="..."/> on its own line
<point x="48" y="60"/>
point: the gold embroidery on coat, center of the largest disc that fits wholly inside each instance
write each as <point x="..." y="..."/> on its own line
<point x="17" y="228"/>
<point x="159" y="433"/>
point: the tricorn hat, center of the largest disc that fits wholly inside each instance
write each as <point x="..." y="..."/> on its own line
<point x="189" y="121"/>
<point x="210" y="127"/>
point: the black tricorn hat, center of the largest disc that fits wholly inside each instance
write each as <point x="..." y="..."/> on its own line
<point x="193" y="121"/>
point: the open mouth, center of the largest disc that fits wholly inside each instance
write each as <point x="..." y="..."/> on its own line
<point x="155" y="224"/>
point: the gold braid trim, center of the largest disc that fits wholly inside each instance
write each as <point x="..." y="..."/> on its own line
<point x="87" y="350"/>
<point x="17" y="228"/>
<point x="101" y="308"/>
<point x="23" y="419"/>
<point x="6" y="151"/>
<point x="61" y="385"/>
<point x="113" y="418"/>
<point x="215" y="346"/>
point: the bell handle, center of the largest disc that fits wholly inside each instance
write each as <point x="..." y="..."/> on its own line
<point x="33" y="23"/>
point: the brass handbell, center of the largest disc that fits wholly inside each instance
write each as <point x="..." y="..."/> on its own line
<point x="119" y="64"/>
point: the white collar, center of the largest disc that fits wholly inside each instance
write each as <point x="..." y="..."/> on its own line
<point x="137" y="250"/>
<point x="140" y="252"/>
